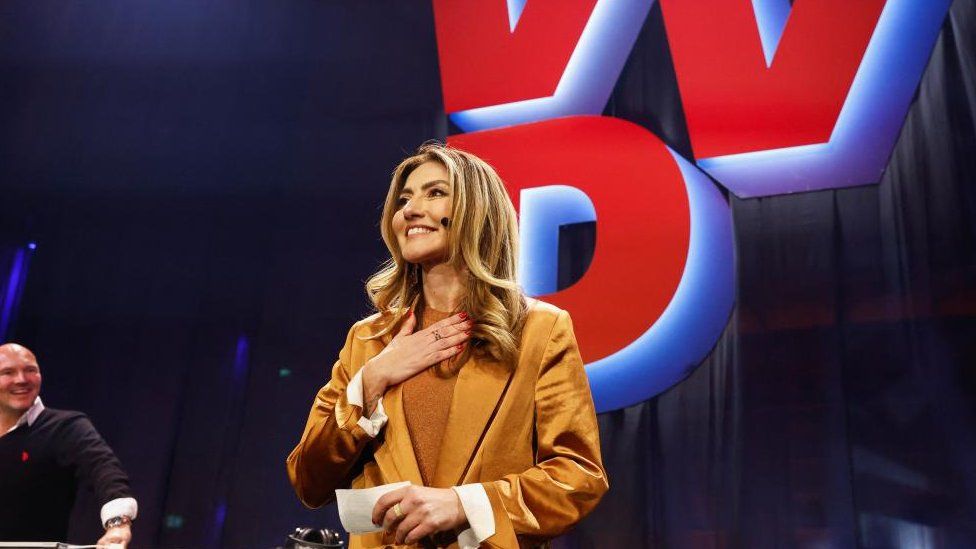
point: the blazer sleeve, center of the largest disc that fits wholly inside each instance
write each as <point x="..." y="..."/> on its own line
<point x="329" y="451"/>
<point x="568" y="479"/>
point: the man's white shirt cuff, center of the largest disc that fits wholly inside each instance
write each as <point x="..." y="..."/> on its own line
<point x="477" y="508"/>
<point x="355" y="395"/>
<point x="118" y="507"/>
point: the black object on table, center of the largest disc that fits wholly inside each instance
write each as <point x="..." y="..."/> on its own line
<point x="314" y="538"/>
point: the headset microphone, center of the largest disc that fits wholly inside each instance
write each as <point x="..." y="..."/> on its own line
<point x="446" y="222"/>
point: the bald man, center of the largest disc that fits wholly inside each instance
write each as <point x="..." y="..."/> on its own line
<point x="44" y="454"/>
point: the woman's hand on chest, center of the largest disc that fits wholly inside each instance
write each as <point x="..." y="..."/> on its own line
<point x="412" y="352"/>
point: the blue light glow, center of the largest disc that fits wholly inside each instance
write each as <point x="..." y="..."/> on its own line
<point x="691" y="324"/>
<point x="869" y="121"/>
<point x="31" y="245"/>
<point x="241" y="359"/>
<point x="10" y="299"/>
<point x="771" y="16"/>
<point x="542" y="210"/>
<point x="220" y="518"/>
<point x="589" y="77"/>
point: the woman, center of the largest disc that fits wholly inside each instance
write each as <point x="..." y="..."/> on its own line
<point x="459" y="384"/>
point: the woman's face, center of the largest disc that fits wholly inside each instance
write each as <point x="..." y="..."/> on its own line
<point x="426" y="199"/>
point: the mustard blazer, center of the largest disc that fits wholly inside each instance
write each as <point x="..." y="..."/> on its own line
<point x="528" y="434"/>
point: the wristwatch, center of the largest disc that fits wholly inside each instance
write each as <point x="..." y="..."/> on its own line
<point x="115" y="522"/>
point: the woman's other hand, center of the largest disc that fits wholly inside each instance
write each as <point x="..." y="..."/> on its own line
<point x="422" y="511"/>
<point x="410" y="353"/>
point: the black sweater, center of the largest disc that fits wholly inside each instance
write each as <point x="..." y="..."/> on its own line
<point x="41" y="466"/>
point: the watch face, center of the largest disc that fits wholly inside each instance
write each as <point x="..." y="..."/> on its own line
<point x="117" y="521"/>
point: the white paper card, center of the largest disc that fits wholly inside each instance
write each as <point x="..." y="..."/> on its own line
<point x="356" y="507"/>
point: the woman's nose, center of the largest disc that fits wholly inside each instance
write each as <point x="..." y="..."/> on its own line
<point x="412" y="208"/>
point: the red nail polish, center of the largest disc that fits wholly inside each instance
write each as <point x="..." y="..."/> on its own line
<point x="464" y="315"/>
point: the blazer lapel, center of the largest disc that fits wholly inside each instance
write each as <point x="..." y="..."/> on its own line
<point x="396" y="453"/>
<point x="479" y="388"/>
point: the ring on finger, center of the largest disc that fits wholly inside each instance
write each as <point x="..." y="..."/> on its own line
<point x="397" y="511"/>
<point x="437" y="336"/>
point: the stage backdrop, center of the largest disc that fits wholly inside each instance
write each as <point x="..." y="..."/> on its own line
<point x="190" y="199"/>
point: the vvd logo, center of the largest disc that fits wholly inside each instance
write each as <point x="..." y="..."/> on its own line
<point x="777" y="98"/>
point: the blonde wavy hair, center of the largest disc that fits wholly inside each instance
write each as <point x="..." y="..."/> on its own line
<point x="482" y="237"/>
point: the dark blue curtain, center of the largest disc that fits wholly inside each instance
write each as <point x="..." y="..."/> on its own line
<point x="203" y="183"/>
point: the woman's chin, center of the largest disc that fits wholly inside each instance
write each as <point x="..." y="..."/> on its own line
<point x="426" y="261"/>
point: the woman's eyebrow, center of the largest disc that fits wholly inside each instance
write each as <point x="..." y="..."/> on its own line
<point x="430" y="184"/>
<point x="425" y="186"/>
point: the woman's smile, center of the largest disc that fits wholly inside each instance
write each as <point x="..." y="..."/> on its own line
<point x="419" y="230"/>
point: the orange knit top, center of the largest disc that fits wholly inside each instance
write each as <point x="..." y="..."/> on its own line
<point x="427" y="403"/>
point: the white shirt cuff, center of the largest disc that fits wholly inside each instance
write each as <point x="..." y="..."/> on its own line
<point x="354" y="394"/>
<point x="118" y="507"/>
<point x="477" y="508"/>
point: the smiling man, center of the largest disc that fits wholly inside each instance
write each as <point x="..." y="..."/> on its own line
<point x="44" y="453"/>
